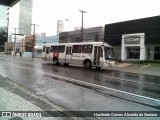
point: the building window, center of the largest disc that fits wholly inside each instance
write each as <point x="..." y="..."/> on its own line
<point x="157" y="53"/>
<point x="133" y="52"/>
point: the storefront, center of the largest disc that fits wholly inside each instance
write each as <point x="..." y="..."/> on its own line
<point x="135" y="39"/>
<point x="133" y="47"/>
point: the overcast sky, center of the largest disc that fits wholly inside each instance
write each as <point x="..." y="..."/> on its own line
<point x="99" y="12"/>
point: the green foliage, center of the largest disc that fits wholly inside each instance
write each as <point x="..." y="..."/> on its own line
<point x="3" y="35"/>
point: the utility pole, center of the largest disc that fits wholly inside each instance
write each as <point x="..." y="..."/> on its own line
<point x="7" y="22"/>
<point x="82" y="24"/>
<point x="34" y="40"/>
<point x="15" y="29"/>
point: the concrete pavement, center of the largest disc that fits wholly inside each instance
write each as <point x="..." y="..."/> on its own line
<point x="15" y="98"/>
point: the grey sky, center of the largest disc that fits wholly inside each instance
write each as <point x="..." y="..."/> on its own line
<point x="99" y="12"/>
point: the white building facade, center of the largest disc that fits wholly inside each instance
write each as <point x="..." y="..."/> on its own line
<point x="133" y="46"/>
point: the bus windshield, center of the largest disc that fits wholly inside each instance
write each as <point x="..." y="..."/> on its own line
<point x="109" y="53"/>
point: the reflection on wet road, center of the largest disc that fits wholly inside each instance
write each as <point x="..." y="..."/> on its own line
<point x="30" y="73"/>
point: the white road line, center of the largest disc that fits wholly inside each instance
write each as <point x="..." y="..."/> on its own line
<point x="98" y="86"/>
<point x="122" y="79"/>
<point x="90" y="84"/>
<point x="145" y="66"/>
<point x="3" y="75"/>
<point x="123" y="65"/>
<point x="61" y="68"/>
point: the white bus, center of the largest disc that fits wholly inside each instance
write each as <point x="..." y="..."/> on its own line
<point x="89" y="54"/>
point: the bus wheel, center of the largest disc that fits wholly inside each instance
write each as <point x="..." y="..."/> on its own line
<point x="87" y="64"/>
<point x="55" y="61"/>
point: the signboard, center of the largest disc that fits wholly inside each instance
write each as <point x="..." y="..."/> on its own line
<point x="132" y="40"/>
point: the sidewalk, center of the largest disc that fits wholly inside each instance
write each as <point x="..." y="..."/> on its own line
<point x="147" y="69"/>
<point x="16" y="104"/>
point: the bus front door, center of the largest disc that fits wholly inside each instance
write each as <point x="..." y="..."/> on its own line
<point x="96" y="60"/>
<point x="68" y="55"/>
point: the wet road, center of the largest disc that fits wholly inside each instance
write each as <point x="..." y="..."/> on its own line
<point x="38" y="76"/>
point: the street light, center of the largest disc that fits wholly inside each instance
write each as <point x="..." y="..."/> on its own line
<point x="70" y="22"/>
<point x="82" y="24"/>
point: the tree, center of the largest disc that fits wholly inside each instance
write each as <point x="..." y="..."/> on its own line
<point x="3" y="38"/>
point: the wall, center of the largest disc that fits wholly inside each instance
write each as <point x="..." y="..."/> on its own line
<point x="94" y="34"/>
<point x="150" y="26"/>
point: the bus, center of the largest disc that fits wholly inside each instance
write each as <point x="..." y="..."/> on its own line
<point x="88" y="54"/>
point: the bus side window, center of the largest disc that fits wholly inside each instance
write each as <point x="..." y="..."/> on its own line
<point x="44" y="47"/>
<point x="87" y="48"/>
<point x="101" y="52"/>
<point x="76" y="49"/>
<point x="61" y="48"/>
<point x="54" y="48"/>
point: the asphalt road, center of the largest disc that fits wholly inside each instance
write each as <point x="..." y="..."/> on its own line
<point x="76" y="88"/>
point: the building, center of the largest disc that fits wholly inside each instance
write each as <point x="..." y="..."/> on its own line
<point x="136" y="39"/>
<point x="60" y="26"/>
<point x="8" y="2"/>
<point x="21" y="18"/>
<point x="3" y="26"/>
<point x="25" y="16"/>
<point x="95" y="34"/>
<point x="40" y="41"/>
<point x="4" y="21"/>
<point x="63" y="37"/>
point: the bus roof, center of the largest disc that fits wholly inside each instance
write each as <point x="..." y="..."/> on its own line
<point x="79" y="43"/>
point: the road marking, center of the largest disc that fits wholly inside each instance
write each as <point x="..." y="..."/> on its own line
<point x="123" y="65"/>
<point x="3" y="75"/>
<point x="90" y="84"/>
<point x="61" y="68"/>
<point x="122" y="79"/>
<point x="145" y="66"/>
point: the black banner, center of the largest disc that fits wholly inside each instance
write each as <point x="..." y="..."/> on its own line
<point x="38" y="114"/>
